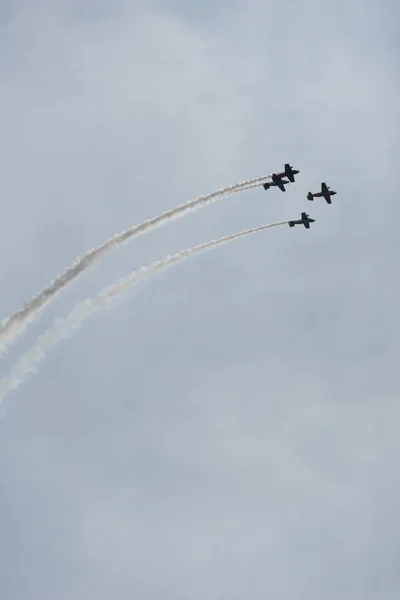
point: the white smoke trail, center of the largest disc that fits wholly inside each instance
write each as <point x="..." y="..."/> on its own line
<point x="64" y="327"/>
<point x="13" y="325"/>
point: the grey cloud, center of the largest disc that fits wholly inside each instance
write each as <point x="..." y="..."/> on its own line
<point x="230" y="427"/>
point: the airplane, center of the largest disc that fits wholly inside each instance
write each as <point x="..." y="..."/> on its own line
<point x="277" y="180"/>
<point x="325" y="192"/>
<point x="289" y="172"/>
<point x="305" y="220"/>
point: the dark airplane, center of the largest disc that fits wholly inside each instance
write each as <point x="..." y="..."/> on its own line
<point x="277" y="178"/>
<point x="325" y="193"/>
<point x="276" y="182"/>
<point x="305" y="220"/>
<point x="289" y="172"/>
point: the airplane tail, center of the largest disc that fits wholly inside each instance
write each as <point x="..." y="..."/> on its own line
<point x="310" y="196"/>
<point x="266" y="186"/>
<point x="291" y="224"/>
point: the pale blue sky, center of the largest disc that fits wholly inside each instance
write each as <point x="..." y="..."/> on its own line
<point x="229" y="428"/>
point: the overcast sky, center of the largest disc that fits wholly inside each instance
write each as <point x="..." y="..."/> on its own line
<point x="228" y="429"/>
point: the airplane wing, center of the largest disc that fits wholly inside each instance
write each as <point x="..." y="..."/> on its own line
<point x="304" y="220"/>
<point x="288" y="172"/>
<point x="325" y="193"/>
<point x="281" y="186"/>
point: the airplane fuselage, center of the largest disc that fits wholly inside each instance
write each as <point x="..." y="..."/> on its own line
<point x="321" y="195"/>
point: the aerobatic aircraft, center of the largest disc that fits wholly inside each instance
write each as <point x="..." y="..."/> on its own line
<point x="277" y="178"/>
<point x="289" y="172"/>
<point x="305" y="220"/>
<point x="280" y="183"/>
<point x="325" y="192"/>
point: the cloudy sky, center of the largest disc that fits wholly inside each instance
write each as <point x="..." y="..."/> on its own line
<point x="229" y="428"/>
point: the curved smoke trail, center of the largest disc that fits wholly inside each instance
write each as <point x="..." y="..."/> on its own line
<point x="64" y="327"/>
<point x="13" y="325"/>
